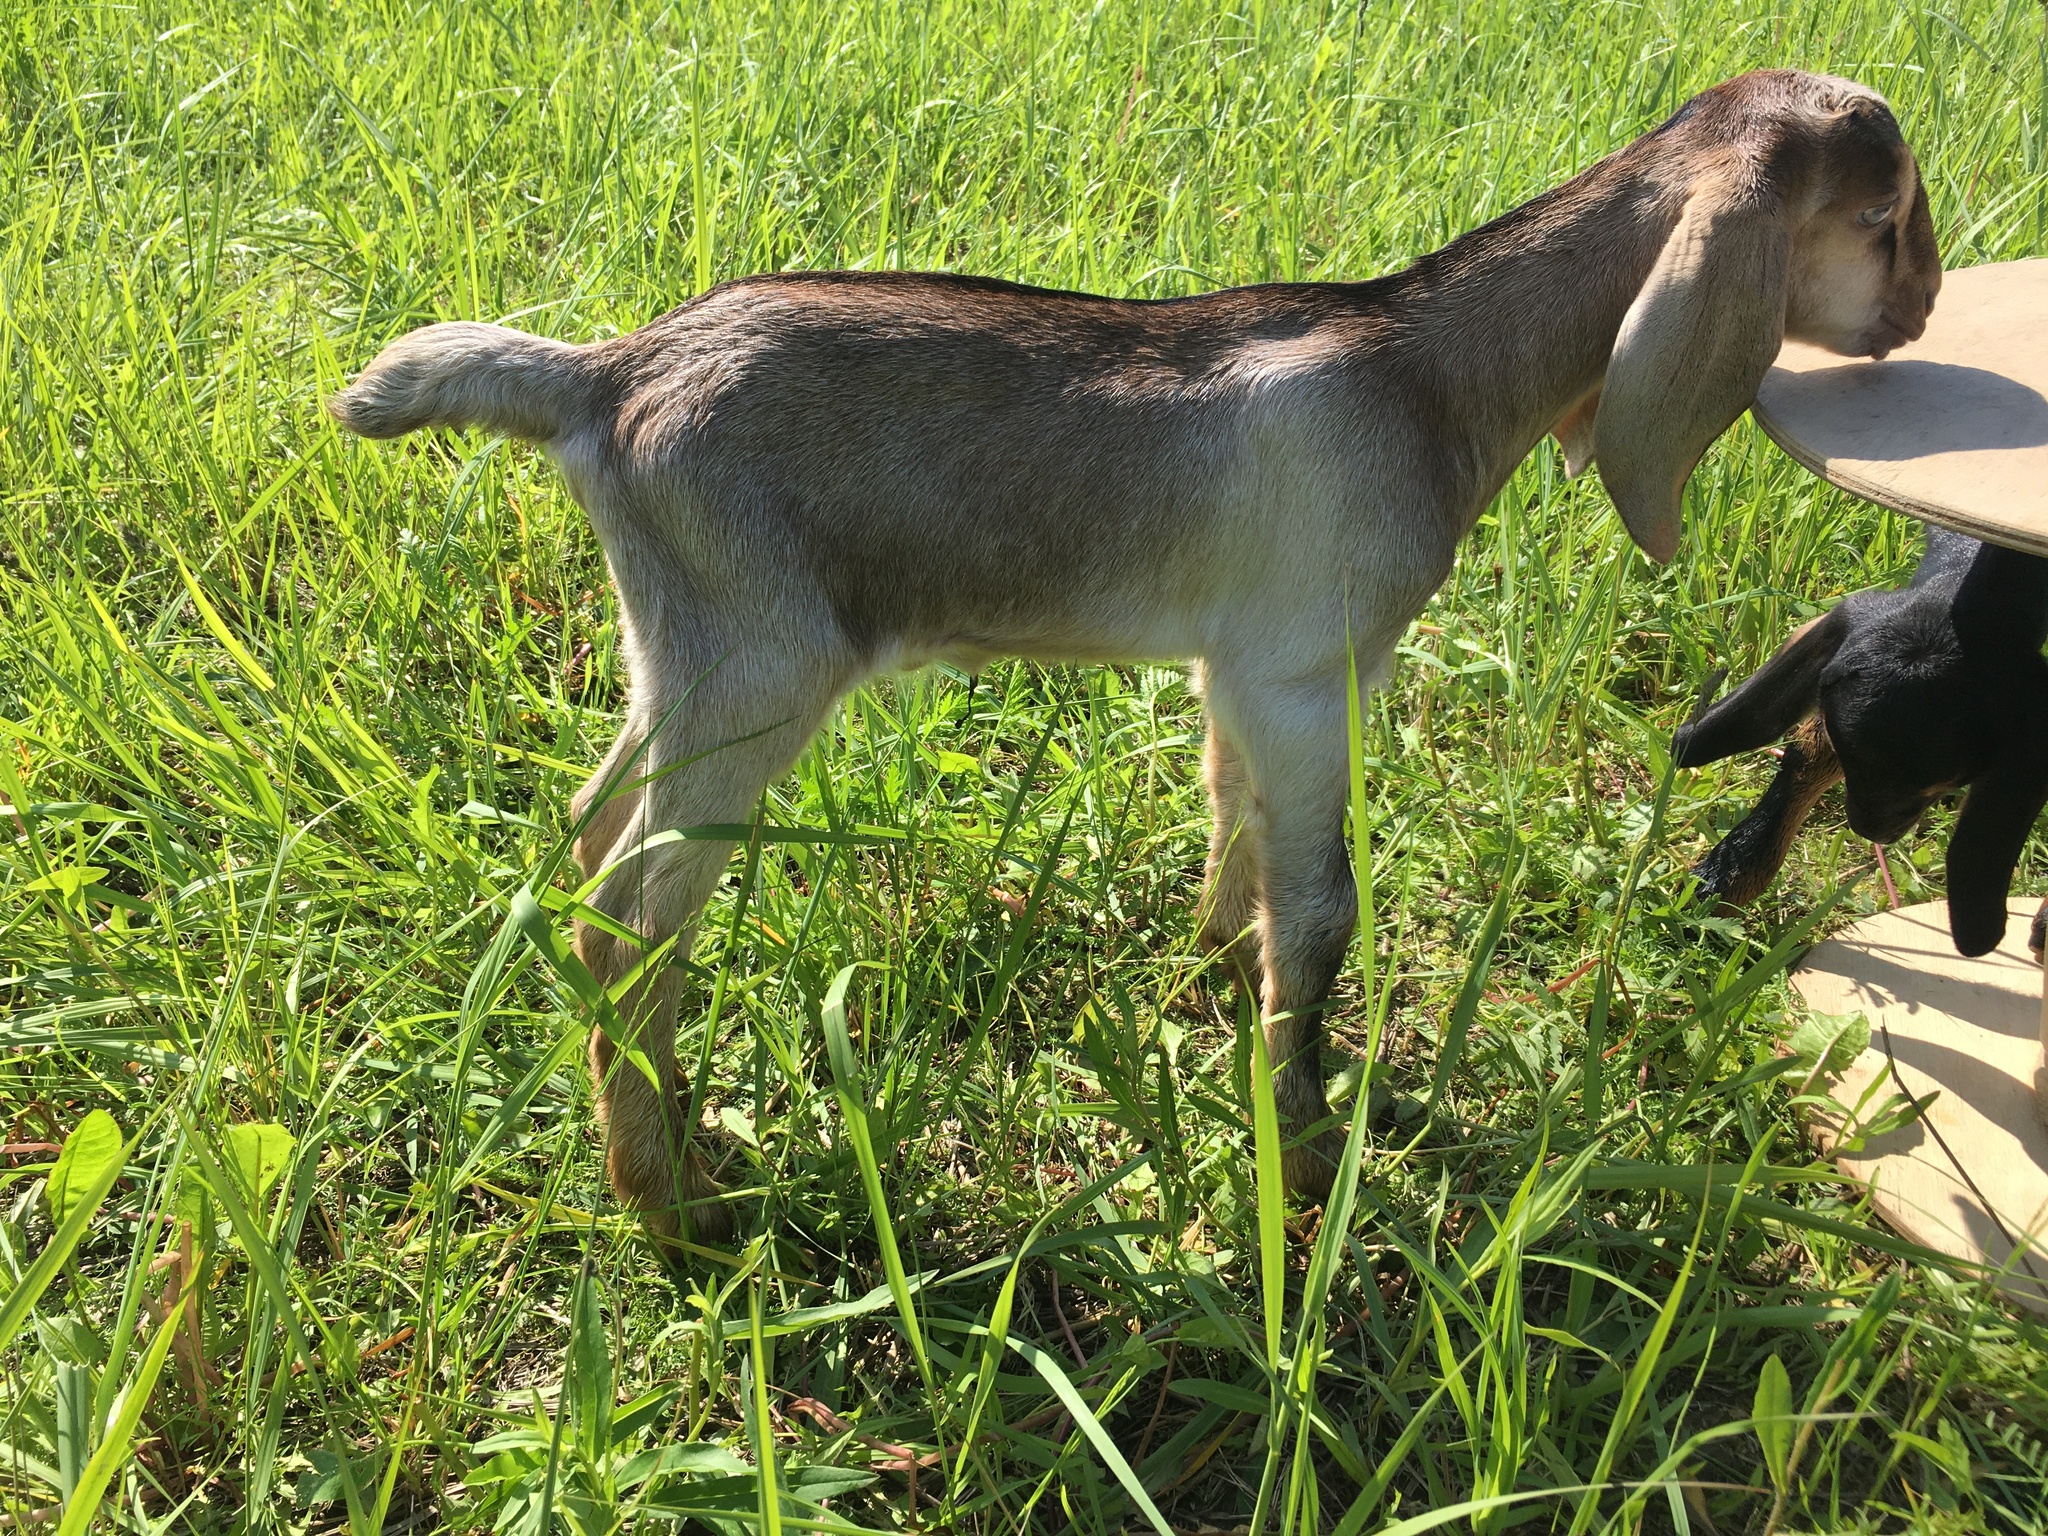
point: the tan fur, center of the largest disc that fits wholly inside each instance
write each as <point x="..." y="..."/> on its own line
<point x="805" y="479"/>
<point x="1808" y="770"/>
<point x="1230" y="883"/>
<point x="1575" y="434"/>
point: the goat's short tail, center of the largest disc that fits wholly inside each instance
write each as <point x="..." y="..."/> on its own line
<point x="462" y="374"/>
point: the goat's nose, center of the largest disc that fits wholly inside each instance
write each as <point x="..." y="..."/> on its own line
<point x="1911" y="321"/>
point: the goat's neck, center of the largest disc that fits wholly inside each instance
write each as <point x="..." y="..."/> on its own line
<point x="2003" y="597"/>
<point x="1516" y="320"/>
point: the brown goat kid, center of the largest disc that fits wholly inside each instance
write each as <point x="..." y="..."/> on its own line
<point x="806" y="479"/>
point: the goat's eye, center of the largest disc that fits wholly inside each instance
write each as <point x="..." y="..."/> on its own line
<point x="1870" y="218"/>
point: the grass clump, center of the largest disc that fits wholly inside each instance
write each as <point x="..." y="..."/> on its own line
<point x="288" y="725"/>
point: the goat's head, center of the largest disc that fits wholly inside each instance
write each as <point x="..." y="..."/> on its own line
<point x="1920" y="697"/>
<point x="1802" y="215"/>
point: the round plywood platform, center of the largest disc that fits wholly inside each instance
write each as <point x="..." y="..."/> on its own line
<point x="1953" y="428"/>
<point x="1968" y="1033"/>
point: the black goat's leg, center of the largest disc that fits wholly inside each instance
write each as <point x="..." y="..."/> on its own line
<point x="1741" y="867"/>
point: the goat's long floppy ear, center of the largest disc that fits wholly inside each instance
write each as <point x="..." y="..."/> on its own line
<point x="1690" y="354"/>
<point x="1783" y="692"/>
<point x="1992" y="830"/>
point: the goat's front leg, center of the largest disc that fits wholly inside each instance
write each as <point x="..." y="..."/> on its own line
<point x="1230" y="883"/>
<point x="1741" y="867"/>
<point x="1291" y="737"/>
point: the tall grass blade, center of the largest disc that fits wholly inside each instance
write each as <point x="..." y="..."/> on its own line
<point x="1466" y="1008"/>
<point x="853" y="1113"/>
<point x="83" y="1507"/>
<point x="1105" y="1447"/>
<point x="760" y="1430"/>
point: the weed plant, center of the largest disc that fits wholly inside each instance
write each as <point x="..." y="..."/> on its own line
<point x="289" y="725"/>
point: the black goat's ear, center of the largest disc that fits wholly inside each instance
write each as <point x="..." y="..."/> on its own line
<point x="1783" y="692"/>
<point x="1992" y="830"/>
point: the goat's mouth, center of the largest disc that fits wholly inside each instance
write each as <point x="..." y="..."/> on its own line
<point x="1890" y="333"/>
<point x="1887" y="826"/>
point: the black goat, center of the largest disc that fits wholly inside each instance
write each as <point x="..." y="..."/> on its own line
<point x="1905" y="696"/>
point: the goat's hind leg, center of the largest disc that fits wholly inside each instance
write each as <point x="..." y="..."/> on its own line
<point x="707" y="767"/>
<point x="606" y="805"/>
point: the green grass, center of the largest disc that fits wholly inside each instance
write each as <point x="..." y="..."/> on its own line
<point x="288" y="723"/>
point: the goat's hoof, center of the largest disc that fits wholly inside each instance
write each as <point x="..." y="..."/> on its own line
<point x="704" y="1221"/>
<point x="678" y="1201"/>
<point x="1704" y="893"/>
<point x="1233" y="975"/>
<point x="1706" y="889"/>
<point x="711" y="1221"/>
<point x="1310" y="1168"/>
<point x="2037" y="935"/>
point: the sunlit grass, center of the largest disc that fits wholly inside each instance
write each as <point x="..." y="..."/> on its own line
<point x="288" y="724"/>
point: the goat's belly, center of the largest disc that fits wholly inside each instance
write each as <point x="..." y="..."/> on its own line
<point x="1129" y="636"/>
<point x="1282" y="606"/>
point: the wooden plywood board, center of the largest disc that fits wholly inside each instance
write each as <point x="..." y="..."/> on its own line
<point x="1967" y="1033"/>
<point x="1953" y="428"/>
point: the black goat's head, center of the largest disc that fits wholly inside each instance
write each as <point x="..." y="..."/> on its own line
<point x="1922" y="692"/>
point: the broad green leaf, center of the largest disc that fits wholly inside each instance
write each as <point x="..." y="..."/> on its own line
<point x="258" y="1152"/>
<point x="68" y="882"/>
<point x="1222" y="1393"/>
<point x="15" y="1310"/>
<point x="195" y="1205"/>
<point x="325" y="1481"/>
<point x="91" y="1150"/>
<point x="590" y="1368"/>
<point x="1829" y="1042"/>
<point x="702" y="1458"/>
<point x="72" y="1429"/>
<point x="1772" y="1412"/>
<point x="816" y="1483"/>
